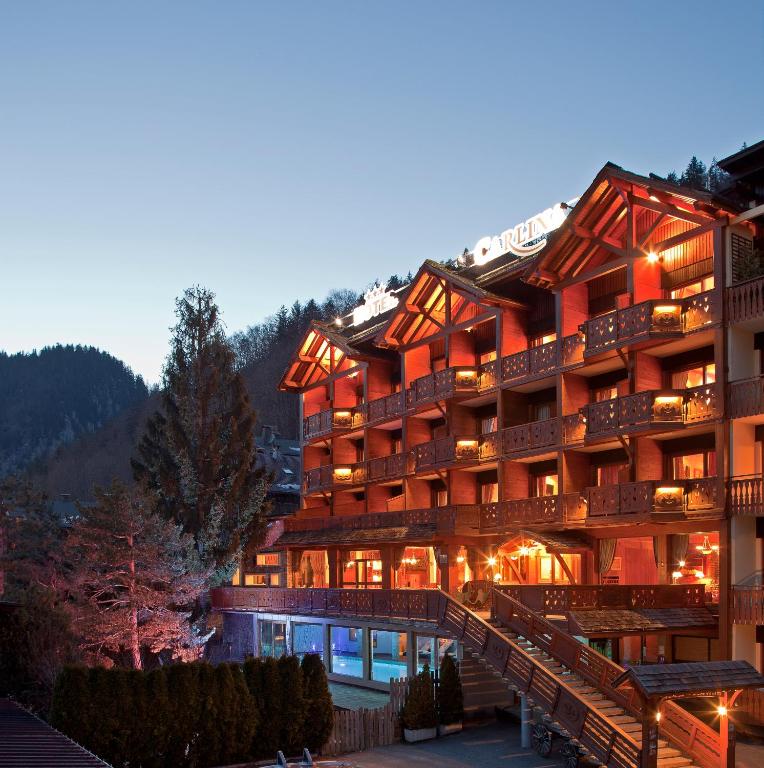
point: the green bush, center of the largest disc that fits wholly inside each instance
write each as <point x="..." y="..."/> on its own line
<point x="292" y="706"/>
<point x="419" y="709"/>
<point x="449" y="695"/>
<point x="319" y="710"/>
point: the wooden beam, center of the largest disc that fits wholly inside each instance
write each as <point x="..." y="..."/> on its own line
<point x="646" y="236"/>
<point x="608" y="243"/>
<point x="561" y="560"/>
<point x="672" y="242"/>
<point x="677" y="213"/>
<point x="602" y="269"/>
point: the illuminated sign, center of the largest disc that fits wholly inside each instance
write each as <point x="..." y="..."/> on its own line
<point x="523" y="239"/>
<point x="376" y="301"/>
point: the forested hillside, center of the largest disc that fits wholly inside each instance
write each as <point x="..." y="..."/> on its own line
<point x="52" y="397"/>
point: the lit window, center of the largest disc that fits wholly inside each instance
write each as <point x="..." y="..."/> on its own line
<point x="694" y="465"/>
<point x="544" y="485"/>
<point x="694" y="377"/>
<point x="389" y="655"/>
<point x="347" y="651"/>
<point x="605" y="393"/>
<point x="706" y="284"/>
<point x="544" y="338"/>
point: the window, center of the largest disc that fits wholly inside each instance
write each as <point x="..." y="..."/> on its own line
<point x="389" y="655"/>
<point x="489" y="492"/>
<point x="272" y="638"/>
<point x="488" y="424"/>
<point x="543" y="338"/>
<point x="609" y="474"/>
<point x="363" y="570"/>
<point x="694" y="377"/>
<point x="347" y="651"/>
<point x="307" y="638"/>
<point x="706" y="284"/>
<point x="694" y="465"/>
<point x="542" y="411"/>
<point x="544" y="485"/>
<point x="268" y="558"/>
<point x="431" y="650"/>
<point x="487" y="357"/>
<point x="604" y="393"/>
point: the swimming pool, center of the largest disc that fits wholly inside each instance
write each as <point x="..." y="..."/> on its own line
<point x="382" y="671"/>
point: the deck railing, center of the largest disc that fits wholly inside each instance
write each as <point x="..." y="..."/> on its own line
<point x="331" y="419"/>
<point x="533" y="436"/>
<point x="745" y="397"/>
<point x="454" y="449"/>
<point x="458" y="379"/>
<point x="538" y="510"/>
<point x="328" y="476"/>
<point x="748" y="605"/>
<point x="745" y="301"/>
<point x="388" y="407"/>
<point x="745" y="496"/>
<point x="397" y="465"/>
<point x="528" y="363"/>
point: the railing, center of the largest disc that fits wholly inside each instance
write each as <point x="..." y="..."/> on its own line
<point x="324" y="422"/>
<point x="388" y="407"/>
<point x="488" y="375"/>
<point x="331" y="475"/>
<point x="388" y="467"/>
<point x="678" y="726"/>
<point x="748" y="605"/>
<point x="745" y="397"/>
<point x="649" y="408"/>
<point x="652" y="318"/>
<point x="745" y="496"/>
<point x="532" y="436"/>
<point x="573" y="428"/>
<point x="444" y="384"/>
<point x="550" y="600"/>
<point x="751" y="701"/>
<point x="701" y="403"/>
<point x="573" y="349"/>
<point x="528" y="363"/>
<point x="536" y="510"/>
<point x="446" y="450"/>
<point x="647" y="497"/>
<point x="745" y="301"/>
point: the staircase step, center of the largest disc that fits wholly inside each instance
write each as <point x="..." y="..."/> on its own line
<point x="674" y="762"/>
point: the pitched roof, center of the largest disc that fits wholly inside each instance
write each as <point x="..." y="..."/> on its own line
<point x="558" y="541"/>
<point x="28" y="742"/>
<point x="698" y="678"/>
<point x="603" y="622"/>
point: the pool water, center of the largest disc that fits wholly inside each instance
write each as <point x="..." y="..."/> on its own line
<point x="382" y="671"/>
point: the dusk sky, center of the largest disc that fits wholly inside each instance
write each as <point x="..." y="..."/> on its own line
<point x="274" y="151"/>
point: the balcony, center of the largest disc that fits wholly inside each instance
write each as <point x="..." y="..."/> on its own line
<point x="745" y="398"/>
<point x="546" y="434"/>
<point x="467" y="449"/>
<point x="544" y="360"/>
<point x="748" y="605"/>
<point x="648" y="498"/>
<point x="386" y="408"/>
<point x="537" y="510"/>
<point x="745" y="496"/>
<point x="745" y="301"/>
<point x="451" y="382"/>
<point x="651" y="410"/>
<point x="332" y="420"/>
<point x="653" y="319"/>
<point x="331" y="476"/>
<point x="388" y="467"/>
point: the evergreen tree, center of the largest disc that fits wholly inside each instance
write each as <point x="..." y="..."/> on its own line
<point x="695" y="175"/>
<point x="197" y="458"/>
<point x="71" y="711"/>
<point x="292" y="706"/>
<point x="450" y="698"/>
<point x="134" y="579"/>
<point x="419" y="709"/>
<point x="156" y="726"/>
<point x="270" y="698"/>
<point x="319" y="710"/>
<point x="717" y="178"/>
<point x="184" y="699"/>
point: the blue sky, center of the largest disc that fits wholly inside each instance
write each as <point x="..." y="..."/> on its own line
<point x="273" y="151"/>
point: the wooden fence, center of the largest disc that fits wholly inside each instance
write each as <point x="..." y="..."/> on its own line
<point x="358" y="729"/>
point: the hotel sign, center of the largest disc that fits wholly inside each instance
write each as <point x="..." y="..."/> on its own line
<point x="376" y="301"/>
<point x="523" y="239"/>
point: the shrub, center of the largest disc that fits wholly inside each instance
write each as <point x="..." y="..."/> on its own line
<point x="292" y="706"/>
<point x="419" y="709"/>
<point x="70" y="708"/>
<point x="450" y="699"/>
<point x="244" y="719"/>
<point x="319" y="710"/>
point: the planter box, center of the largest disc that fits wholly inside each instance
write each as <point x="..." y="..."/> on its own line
<point x="419" y="734"/>
<point x="447" y="730"/>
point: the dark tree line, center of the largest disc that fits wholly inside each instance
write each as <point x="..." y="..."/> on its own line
<point x="698" y="176"/>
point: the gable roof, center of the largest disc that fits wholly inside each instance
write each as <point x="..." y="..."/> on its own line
<point x="598" y="225"/>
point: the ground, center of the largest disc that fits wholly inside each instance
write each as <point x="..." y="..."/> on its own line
<point x="355" y="697"/>
<point x="493" y="744"/>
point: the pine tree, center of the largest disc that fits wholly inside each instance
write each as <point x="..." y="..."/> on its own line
<point x="419" y="709"/>
<point x="197" y="457"/>
<point x="319" y="710"/>
<point x="695" y="175"/>
<point x="292" y="705"/>
<point x="71" y="710"/>
<point x="157" y="726"/>
<point x="450" y="698"/>
<point x="271" y="702"/>
<point x="184" y="703"/>
<point x="134" y="579"/>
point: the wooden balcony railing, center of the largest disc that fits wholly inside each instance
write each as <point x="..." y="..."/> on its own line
<point x="649" y="319"/>
<point x="745" y="496"/>
<point x="537" y="510"/>
<point x="745" y="397"/>
<point x="388" y="467"/>
<point x="748" y="605"/>
<point x="652" y="409"/>
<point x="386" y="408"/>
<point x="745" y="301"/>
<point x="327" y="421"/>
<point x="530" y="363"/>
<point x="334" y="475"/>
<point x="573" y="428"/>
<point x="441" y="385"/>
<point x="454" y="449"/>
<point x="536" y="435"/>
<point x="561" y="598"/>
<point x="650" y="497"/>
<point x="573" y="349"/>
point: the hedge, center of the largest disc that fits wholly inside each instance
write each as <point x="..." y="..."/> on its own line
<point x="195" y="715"/>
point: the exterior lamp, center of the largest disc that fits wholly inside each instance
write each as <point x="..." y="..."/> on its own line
<point x="460" y="558"/>
<point x="682" y="563"/>
<point x="722" y="710"/>
<point x="652" y="257"/>
<point x="466" y="376"/>
<point x="497" y="577"/>
<point x="491" y="561"/>
<point x="338" y="322"/>
<point x="658" y="717"/>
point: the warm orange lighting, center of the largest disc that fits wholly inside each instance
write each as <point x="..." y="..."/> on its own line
<point x="668" y="309"/>
<point x="460" y="558"/>
<point x="669" y="490"/>
<point x="682" y="563"/>
<point x="652" y="257"/>
<point x="722" y="710"/>
<point x="342" y="414"/>
<point x="658" y="716"/>
<point x="667" y="399"/>
<point x="491" y="561"/>
<point x="466" y="375"/>
<point x="343" y="473"/>
<point x="338" y="322"/>
<point x="496" y="576"/>
<point x="706" y="548"/>
<point x="700" y="575"/>
<point x="524" y="551"/>
<point x="676" y="575"/>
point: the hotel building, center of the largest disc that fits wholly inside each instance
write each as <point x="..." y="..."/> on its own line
<point x="572" y="414"/>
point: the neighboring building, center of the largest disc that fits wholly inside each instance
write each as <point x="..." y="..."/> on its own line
<point x="565" y="414"/>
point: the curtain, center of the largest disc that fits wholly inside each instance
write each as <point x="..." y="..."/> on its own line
<point x="678" y="547"/>
<point x="606" y="555"/>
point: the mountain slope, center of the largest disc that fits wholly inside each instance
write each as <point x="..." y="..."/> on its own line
<point x="52" y="397"/>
